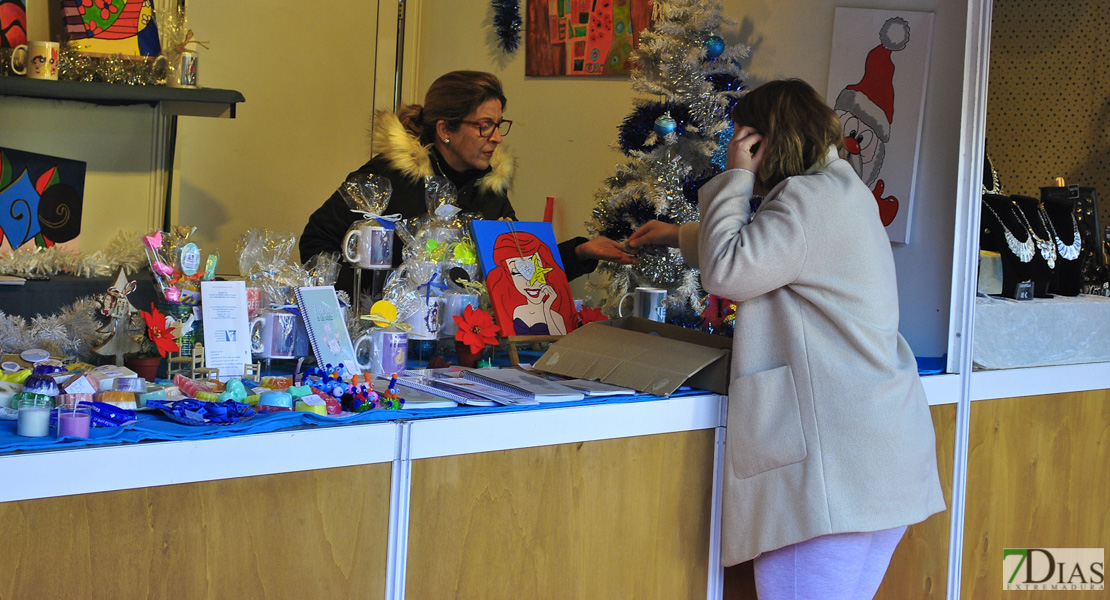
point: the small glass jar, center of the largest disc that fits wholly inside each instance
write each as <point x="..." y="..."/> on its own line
<point x="34" y="415"/>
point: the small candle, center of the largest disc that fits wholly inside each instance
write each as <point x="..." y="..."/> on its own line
<point x="74" y="423"/>
<point x="34" y="419"/>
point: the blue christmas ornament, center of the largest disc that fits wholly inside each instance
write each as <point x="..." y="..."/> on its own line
<point x="714" y="46"/>
<point x="665" y="124"/>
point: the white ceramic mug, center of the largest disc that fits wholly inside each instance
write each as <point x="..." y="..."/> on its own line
<point x="427" y="320"/>
<point x="39" y="60"/>
<point x="382" y="351"/>
<point x="455" y="304"/>
<point x="369" y="246"/>
<point x="279" y="335"/>
<point x="647" y="303"/>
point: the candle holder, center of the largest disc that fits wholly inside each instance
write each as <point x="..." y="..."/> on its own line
<point x="74" y="420"/>
<point x="34" y="415"/>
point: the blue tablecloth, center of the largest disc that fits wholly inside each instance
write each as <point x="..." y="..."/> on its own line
<point x="153" y="426"/>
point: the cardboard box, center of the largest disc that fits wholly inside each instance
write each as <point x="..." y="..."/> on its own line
<point x="650" y="357"/>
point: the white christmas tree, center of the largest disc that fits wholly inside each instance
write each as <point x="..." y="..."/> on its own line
<point x="676" y="143"/>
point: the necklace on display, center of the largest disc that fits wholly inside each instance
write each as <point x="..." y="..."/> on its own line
<point x="1066" y="252"/>
<point x="1047" y="248"/>
<point x="1023" y="250"/>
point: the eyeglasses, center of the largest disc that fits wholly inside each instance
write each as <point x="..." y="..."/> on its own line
<point x="486" y="126"/>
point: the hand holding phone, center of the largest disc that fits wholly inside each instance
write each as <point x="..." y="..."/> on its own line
<point x="746" y="150"/>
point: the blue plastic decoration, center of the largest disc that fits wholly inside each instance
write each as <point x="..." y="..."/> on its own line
<point x="665" y="124"/>
<point x="639" y="125"/>
<point x="714" y="46"/>
<point x="506" y="19"/>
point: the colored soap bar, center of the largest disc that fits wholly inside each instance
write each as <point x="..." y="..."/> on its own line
<point x="252" y="400"/>
<point x="81" y="383"/>
<point x="277" y="399"/>
<point x="208" y="396"/>
<point x="129" y="384"/>
<point x="299" y="391"/>
<point x="157" y="393"/>
<point x="118" y="399"/>
<point x="312" y="404"/>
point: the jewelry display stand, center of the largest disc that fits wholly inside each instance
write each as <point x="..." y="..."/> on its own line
<point x="1074" y="210"/>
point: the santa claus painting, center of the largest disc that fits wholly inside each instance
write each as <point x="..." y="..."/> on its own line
<point x="880" y="134"/>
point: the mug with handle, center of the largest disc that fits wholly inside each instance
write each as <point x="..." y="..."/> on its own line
<point x="647" y="303"/>
<point x="368" y="245"/>
<point x="38" y="60"/>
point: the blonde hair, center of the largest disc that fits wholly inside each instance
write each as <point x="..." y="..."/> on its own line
<point x="796" y="124"/>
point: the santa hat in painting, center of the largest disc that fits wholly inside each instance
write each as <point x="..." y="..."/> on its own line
<point x="872" y="99"/>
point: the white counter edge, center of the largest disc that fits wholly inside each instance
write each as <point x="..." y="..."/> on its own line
<point x="90" y="469"/>
<point x="1036" y="381"/>
<point x="505" y="431"/>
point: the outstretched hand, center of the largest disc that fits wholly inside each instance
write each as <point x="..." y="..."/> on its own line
<point x="653" y="233"/>
<point x="603" y="248"/>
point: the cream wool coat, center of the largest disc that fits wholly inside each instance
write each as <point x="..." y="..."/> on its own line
<point x="828" y="427"/>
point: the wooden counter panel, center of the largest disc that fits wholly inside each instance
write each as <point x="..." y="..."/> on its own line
<point x="1037" y="477"/>
<point x="311" y="534"/>
<point x="621" y="518"/>
<point x="919" y="567"/>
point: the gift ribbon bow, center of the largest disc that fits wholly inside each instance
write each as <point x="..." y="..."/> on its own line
<point x="429" y="285"/>
<point x="383" y="321"/>
<point x="183" y="46"/>
<point x="473" y="287"/>
<point x="366" y="214"/>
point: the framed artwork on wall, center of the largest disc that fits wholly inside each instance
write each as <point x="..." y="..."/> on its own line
<point x="524" y="277"/>
<point x="877" y="81"/>
<point x="583" y="37"/>
<point x="40" y="200"/>
<point x="109" y="27"/>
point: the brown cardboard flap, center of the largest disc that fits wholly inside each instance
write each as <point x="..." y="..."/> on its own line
<point x="650" y="357"/>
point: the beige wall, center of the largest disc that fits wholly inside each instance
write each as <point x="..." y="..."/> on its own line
<point x="304" y="123"/>
<point x="565" y="129"/>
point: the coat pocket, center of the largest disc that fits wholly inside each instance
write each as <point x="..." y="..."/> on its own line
<point x="764" y="429"/>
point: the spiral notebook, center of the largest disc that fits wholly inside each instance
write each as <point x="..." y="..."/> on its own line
<point x="327" y="332"/>
<point x="524" y="384"/>
<point x="432" y="386"/>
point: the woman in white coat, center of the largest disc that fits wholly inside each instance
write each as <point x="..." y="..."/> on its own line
<point x="830" y="450"/>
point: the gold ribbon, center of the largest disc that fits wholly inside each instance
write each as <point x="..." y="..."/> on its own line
<point x="183" y="46"/>
<point x="473" y="287"/>
<point x="383" y="321"/>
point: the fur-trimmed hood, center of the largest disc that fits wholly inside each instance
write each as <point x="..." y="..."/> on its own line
<point x="406" y="154"/>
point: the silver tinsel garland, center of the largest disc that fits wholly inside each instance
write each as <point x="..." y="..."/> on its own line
<point x="71" y="332"/>
<point x="124" y="251"/>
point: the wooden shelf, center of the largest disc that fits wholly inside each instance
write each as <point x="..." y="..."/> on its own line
<point x="201" y="102"/>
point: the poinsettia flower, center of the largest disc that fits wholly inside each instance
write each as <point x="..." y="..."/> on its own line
<point x="157" y="331"/>
<point x="476" y="329"/>
<point x="589" y="315"/>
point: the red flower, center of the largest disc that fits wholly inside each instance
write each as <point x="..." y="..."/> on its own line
<point x="589" y="315"/>
<point x="157" y="331"/>
<point x="476" y="329"/>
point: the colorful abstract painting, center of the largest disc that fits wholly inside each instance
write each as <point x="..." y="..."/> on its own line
<point x="112" y="27"/>
<point x="524" y="277"/>
<point x="13" y="23"/>
<point x="583" y="37"/>
<point x="40" y="200"/>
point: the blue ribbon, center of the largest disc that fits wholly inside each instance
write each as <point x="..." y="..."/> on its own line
<point x="204" y="413"/>
<point x="428" y="287"/>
